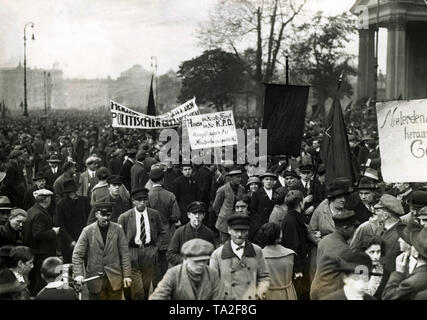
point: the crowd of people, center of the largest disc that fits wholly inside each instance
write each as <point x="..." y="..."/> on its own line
<point x="91" y="212"/>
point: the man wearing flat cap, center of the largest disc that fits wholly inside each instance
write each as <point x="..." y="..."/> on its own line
<point x="387" y="213"/>
<point x="195" y="228"/>
<point x="403" y="285"/>
<point x="326" y="279"/>
<point x="40" y="235"/>
<point x="225" y="198"/>
<point x="164" y="202"/>
<point x="241" y="264"/>
<point x="54" y="170"/>
<point x="120" y="204"/>
<point x="39" y="180"/>
<point x="193" y="279"/>
<point x="88" y="179"/>
<point x="143" y="227"/>
<point x="104" y="245"/>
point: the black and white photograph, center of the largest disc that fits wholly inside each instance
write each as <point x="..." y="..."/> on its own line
<point x="233" y="152"/>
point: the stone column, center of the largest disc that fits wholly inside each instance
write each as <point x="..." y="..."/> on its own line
<point x="365" y="78"/>
<point x="396" y="81"/>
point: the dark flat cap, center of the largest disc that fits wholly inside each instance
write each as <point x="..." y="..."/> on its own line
<point x="140" y="193"/>
<point x="352" y="261"/>
<point x="103" y="206"/>
<point x="238" y="221"/>
<point x="390" y="203"/>
<point x="131" y="152"/>
<point x="197" y="206"/>
<point x="306" y="168"/>
<point x="156" y="174"/>
<point x="197" y="249"/>
<point x="69" y="186"/>
<point x="114" y="179"/>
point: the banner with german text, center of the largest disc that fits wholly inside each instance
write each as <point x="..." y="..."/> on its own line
<point x="402" y="130"/>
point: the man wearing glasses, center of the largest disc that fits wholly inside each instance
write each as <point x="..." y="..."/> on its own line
<point x="105" y="246"/>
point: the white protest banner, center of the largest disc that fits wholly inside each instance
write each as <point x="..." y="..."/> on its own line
<point x="211" y="130"/>
<point x="124" y="117"/>
<point x="402" y="129"/>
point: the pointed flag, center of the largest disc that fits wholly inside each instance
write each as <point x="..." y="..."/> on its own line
<point x="151" y="109"/>
<point x="335" y="149"/>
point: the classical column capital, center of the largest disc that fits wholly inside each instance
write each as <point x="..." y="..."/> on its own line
<point x="396" y="24"/>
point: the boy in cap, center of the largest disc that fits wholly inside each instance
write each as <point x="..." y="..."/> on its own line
<point x="143" y="227"/>
<point x="40" y="235"/>
<point x="193" y="279"/>
<point x="241" y="264"/>
<point x="104" y="245"/>
<point x="120" y="205"/>
<point x="195" y="228"/>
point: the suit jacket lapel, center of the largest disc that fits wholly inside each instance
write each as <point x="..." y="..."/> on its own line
<point x="99" y="236"/>
<point x="109" y="236"/>
<point x="132" y="224"/>
<point x="186" y="284"/>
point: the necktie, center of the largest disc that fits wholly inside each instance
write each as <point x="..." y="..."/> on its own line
<point x="240" y="247"/>
<point x="142" y="236"/>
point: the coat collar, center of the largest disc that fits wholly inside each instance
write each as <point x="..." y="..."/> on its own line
<point x="227" y="252"/>
<point x="276" y="251"/>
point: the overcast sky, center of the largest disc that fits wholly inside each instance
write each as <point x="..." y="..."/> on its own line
<point x="97" y="38"/>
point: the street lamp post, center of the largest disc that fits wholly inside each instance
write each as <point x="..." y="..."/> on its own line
<point x="25" y="66"/>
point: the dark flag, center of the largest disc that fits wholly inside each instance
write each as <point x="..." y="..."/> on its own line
<point x="151" y="109"/>
<point x="335" y="150"/>
<point x="284" y="114"/>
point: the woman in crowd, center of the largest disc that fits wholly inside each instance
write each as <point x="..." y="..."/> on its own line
<point x="280" y="263"/>
<point x="242" y="206"/>
<point x="252" y="185"/>
<point x="280" y="209"/>
<point x="11" y="231"/>
<point x="374" y="248"/>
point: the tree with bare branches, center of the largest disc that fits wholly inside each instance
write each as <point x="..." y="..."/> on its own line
<point x="237" y="25"/>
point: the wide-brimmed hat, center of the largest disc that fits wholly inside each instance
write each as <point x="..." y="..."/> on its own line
<point x="253" y="180"/>
<point x="9" y="283"/>
<point x="418" y="237"/>
<point x="366" y="184"/>
<point x="234" y="171"/>
<point x="354" y="262"/>
<point x="5" y="203"/>
<point x="268" y="174"/>
<point x="69" y="186"/>
<point x="54" y="158"/>
<point x="417" y="199"/>
<point x="403" y="231"/>
<point x="346" y="218"/>
<point x="339" y="187"/>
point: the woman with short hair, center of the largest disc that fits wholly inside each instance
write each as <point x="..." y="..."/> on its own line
<point x="11" y="231"/>
<point x="280" y="263"/>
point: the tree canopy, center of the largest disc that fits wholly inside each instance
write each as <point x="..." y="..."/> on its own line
<point x="212" y="78"/>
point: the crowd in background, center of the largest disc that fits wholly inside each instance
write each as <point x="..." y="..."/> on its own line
<point x="74" y="191"/>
